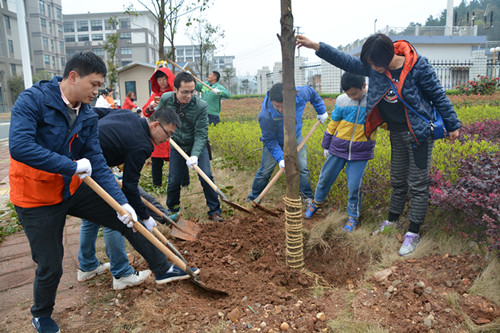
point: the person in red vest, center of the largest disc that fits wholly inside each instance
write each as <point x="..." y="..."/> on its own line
<point x="162" y="81"/>
<point x="128" y="103"/>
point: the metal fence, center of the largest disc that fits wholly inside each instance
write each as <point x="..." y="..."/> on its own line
<point x="452" y="73"/>
<point x="493" y="68"/>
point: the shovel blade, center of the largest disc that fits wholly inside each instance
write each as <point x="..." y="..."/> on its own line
<point x="264" y="209"/>
<point x="238" y="207"/>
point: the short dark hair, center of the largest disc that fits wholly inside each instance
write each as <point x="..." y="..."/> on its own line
<point x="377" y="49"/>
<point x="183" y="76"/>
<point x="159" y="74"/>
<point x="350" y="80"/>
<point x="165" y="116"/>
<point x="276" y="93"/>
<point x="85" y="63"/>
<point x="217" y="75"/>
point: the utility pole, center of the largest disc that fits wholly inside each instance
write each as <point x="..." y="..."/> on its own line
<point x="23" y="39"/>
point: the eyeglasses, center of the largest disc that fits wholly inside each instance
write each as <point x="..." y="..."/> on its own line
<point x="168" y="134"/>
<point x="187" y="92"/>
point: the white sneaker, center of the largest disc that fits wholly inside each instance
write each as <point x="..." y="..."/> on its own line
<point x="409" y="244"/>
<point x="307" y="201"/>
<point x="84" y="276"/>
<point x="136" y="278"/>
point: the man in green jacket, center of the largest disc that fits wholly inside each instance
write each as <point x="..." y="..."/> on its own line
<point x="213" y="96"/>
<point x="192" y="137"/>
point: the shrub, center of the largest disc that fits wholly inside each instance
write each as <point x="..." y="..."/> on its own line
<point x="472" y="202"/>
<point x="483" y="85"/>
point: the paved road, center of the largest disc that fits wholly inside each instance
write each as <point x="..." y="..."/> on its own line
<point x="4" y="129"/>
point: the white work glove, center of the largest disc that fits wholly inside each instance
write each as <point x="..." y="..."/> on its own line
<point x="149" y="224"/>
<point x="126" y="218"/>
<point x="322" y="117"/>
<point x="83" y="168"/>
<point x="282" y="164"/>
<point x="192" y="161"/>
<point x="326" y="153"/>
<point x="216" y="91"/>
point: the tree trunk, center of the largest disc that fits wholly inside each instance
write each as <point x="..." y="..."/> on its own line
<point x="295" y="256"/>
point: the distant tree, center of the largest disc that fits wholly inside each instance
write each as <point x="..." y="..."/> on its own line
<point x="16" y="86"/>
<point x="204" y="39"/>
<point x="110" y="47"/>
<point x="227" y="78"/>
<point x="167" y="14"/>
<point x="42" y="75"/>
<point x="245" y="83"/>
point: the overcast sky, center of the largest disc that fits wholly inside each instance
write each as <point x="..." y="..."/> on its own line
<point x="251" y="26"/>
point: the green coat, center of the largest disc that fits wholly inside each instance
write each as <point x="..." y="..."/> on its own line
<point x="191" y="137"/>
<point x="212" y="99"/>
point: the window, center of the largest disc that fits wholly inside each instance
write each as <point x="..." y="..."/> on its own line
<point x="130" y="86"/>
<point x="59" y="28"/>
<point x="96" y="25"/>
<point x="98" y="51"/>
<point x="45" y="43"/>
<point x="52" y="44"/>
<point x="43" y="22"/>
<point x="49" y="14"/>
<point x="82" y="26"/>
<point x="41" y="7"/>
<point x="61" y="47"/>
<point x="53" y="60"/>
<point x="83" y="38"/>
<point x="125" y="35"/>
<point x="69" y="26"/>
<point x="70" y="53"/>
<point x="50" y="28"/>
<point x="69" y="38"/>
<point x="110" y="25"/>
<point x="59" y="14"/>
<point x="126" y="62"/>
<point x="13" y="69"/>
<point x="46" y="59"/>
<point x="11" y="47"/>
<point x="125" y="23"/>
<point x="63" y="62"/>
<point x="97" y="37"/>
<point x="7" y="22"/>
<point x="125" y="50"/>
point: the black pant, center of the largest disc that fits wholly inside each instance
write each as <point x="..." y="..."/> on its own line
<point x="44" y="228"/>
<point x="157" y="170"/>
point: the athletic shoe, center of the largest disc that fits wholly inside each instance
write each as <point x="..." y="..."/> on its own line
<point x="216" y="217"/>
<point x="84" y="276"/>
<point x="311" y="209"/>
<point x="386" y="225"/>
<point x="409" y="244"/>
<point x="308" y="201"/>
<point x="352" y="223"/>
<point x="131" y="280"/>
<point x="45" y="325"/>
<point x="175" y="274"/>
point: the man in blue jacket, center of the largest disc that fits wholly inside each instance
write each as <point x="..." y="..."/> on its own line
<point x="271" y="125"/>
<point x="54" y="144"/>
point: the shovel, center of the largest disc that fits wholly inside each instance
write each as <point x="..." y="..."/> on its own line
<point x="188" y="232"/>
<point x="159" y="245"/>
<point x="184" y="70"/>
<point x="256" y="201"/>
<point x="209" y="182"/>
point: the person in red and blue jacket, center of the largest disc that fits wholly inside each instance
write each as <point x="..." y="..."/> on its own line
<point x="54" y="144"/>
<point x="398" y="64"/>
<point x="271" y="125"/>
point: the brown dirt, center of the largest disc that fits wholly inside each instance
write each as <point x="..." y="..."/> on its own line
<point x="246" y="257"/>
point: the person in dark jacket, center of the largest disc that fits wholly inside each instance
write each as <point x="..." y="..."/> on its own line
<point x="192" y="138"/>
<point x="54" y="144"/>
<point x="125" y="139"/>
<point x="398" y="63"/>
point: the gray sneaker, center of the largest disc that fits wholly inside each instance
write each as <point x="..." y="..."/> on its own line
<point x="386" y="225"/>
<point x="308" y="201"/>
<point x="131" y="280"/>
<point x="84" y="276"/>
<point x="409" y="244"/>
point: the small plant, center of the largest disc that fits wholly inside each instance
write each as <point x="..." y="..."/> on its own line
<point x="9" y="223"/>
<point x="255" y="254"/>
<point x="483" y="85"/>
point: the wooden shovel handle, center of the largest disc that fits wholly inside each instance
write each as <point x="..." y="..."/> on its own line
<point x="182" y="69"/>
<point x="138" y="226"/>
<point x="281" y="170"/>
<point x="197" y="168"/>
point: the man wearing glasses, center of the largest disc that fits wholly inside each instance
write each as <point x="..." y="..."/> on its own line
<point x="125" y="139"/>
<point x="192" y="137"/>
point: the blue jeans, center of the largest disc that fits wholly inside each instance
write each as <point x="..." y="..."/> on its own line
<point x="329" y="173"/>
<point x="176" y="174"/>
<point x="213" y="119"/>
<point x="266" y="169"/>
<point x="115" y="250"/>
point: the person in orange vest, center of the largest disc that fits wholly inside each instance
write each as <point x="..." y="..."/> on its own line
<point x="110" y="99"/>
<point x="54" y="144"/>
